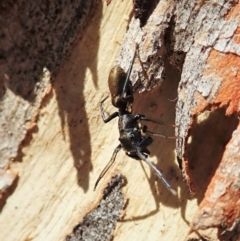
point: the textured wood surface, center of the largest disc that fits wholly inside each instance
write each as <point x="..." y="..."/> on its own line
<point x="63" y="156"/>
<point x="207" y="111"/>
<point x="34" y="39"/>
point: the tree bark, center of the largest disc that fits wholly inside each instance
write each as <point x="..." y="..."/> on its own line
<point x="55" y="144"/>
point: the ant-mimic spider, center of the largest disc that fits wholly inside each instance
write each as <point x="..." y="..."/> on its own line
<point x="134" y="137"/>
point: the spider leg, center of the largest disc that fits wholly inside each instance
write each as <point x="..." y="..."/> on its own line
<point x="144" y="118"/>
<point x="158" y="172"/>
<point x="109" y="118"/>
<point x="129" y="72"/>
<point x="161" y="135"/>
<point x="106" y="168"/>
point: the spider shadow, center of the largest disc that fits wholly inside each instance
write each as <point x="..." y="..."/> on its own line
<point x="32" y="40"/>
<point x="156" y="105"/>
<point x="69" y="87"/>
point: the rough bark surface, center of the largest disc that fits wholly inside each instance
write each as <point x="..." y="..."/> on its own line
<point x="29" y="56"/>
<point x="207" y="109"/>
<point x="100" y="222"/>
<point x="187" y="49"/>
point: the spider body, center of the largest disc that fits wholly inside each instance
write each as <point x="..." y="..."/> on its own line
<point x="133" y="136"/>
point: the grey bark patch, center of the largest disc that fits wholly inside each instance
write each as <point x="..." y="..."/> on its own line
<point x="100" y="222"/>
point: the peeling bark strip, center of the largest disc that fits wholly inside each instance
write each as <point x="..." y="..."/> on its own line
<point x="34" y="40"/>
<point x="149" y="65"/>
<point x="100" y="223"/>
<point x="208" y="101"/>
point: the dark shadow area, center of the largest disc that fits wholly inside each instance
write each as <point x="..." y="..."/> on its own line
<point x="198" y="239"/>
<point x="209" y="135"/>
<point x="175" y="58"/>
<point x="7" y="193"/>
<point x="230" y="235"/>
<point x="2" y="88"/>
<point x="31" y="41"/>
<point x="142" y="9"/>
<point x="35" y="35"/>
<point x="27" y="140"/>
<point x="206" y="146"/>
<point x="156" y="105"/>
<point x="69" y="86"/>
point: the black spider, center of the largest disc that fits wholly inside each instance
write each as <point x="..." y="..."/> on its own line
<point x="134" y="137"/>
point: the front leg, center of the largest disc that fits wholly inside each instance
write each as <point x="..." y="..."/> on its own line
<point x="129" y="73"/>
<point x="109" y="118"/>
